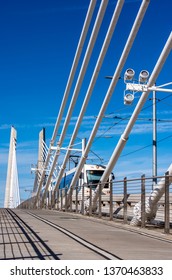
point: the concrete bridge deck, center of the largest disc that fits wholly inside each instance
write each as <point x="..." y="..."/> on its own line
<point x="48" y="234"/>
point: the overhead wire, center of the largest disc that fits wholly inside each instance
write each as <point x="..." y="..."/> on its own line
<point x="142" y="148"/>
<point x="128" y="117"/>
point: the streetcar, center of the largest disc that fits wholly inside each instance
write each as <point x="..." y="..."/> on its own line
<point x="89" y="179"/>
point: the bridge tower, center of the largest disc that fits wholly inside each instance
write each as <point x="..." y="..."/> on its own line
<point x="12" y="196"/>
<point x="41" y="160"/>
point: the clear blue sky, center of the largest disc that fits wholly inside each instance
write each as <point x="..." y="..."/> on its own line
<point x="38" y="40"/>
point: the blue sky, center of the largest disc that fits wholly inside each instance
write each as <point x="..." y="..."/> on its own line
<point x="38" y="40"/>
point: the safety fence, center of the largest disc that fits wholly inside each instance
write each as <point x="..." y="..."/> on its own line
<point x="118" y="202"/>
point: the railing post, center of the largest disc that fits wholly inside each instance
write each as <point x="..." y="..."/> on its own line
<point x="61" y="199"/>
<point x="51" y="198"/>
<point x="111" y="202"/>
<point x="65" y="199"/>
<point x="76" y="201"/>
<point x="167" y="208"/>
<point x="47" y="199"/>
<point x="100" y="201"/>
<point x="125" y="200"/>
<point x="37" y="204"/>
<point x="56" y="199"/>
<point x="90" y="208"/>
<point x="82" y="208"/>
<point x="70" y="193"/>
<point x="43" y="203"/>
<point x="143" y="217"/>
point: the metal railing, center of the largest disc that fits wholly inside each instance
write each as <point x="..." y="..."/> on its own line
<point x="117" y="204"/>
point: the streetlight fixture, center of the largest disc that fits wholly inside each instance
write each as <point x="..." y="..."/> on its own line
<point x="131" y="86"/>
<point x="129" y="75"/>
<point x="143" y="77"/>
<point x="128" y="79"/>
<point x="128" y="97"/>
<point x="129" y="93"/>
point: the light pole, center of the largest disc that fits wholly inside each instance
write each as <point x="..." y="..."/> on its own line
<point x="154" y="142"/>
<point x="131" y="89"/>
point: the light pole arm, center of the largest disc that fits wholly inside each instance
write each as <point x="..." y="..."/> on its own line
<point x="144" y="88"/>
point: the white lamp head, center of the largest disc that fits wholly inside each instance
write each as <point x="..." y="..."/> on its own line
<point x="143" y="77"/>
<point x="129" y="74"/>
<point x="128" y="98"/>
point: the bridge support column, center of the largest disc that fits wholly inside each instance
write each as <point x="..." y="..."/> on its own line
<point x="12" y="196"/>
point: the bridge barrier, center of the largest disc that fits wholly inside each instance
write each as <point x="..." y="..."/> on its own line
<point x="117" y="204"/>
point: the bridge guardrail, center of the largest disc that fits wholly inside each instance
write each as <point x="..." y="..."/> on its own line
<point x="118" y="204"/>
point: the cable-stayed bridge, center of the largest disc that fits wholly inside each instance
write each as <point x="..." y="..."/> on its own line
<point x="51" y="176"/>
<point x="54" y="188"/>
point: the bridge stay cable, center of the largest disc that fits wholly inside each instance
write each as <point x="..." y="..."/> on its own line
<point x="82" y="72"/>
<point x="124" y="137"/>
<point x="123" y="58"/>
<point x="67" y="90"/>
<point x="100" y="59"/>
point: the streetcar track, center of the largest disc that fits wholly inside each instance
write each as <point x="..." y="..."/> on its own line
<point x="107" y="255"/>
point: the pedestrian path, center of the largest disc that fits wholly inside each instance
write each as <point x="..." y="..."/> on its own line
<point x="46" y="234"/>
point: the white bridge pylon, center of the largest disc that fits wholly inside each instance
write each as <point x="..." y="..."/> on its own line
<point x="12" y="196"/>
